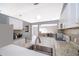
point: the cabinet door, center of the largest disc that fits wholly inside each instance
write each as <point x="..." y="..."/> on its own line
<point x="74" y="15"/>
<point x="77" y="13"/>
<point x="70" y="16"/>
<point x="65" y="16"/>
<point x="17" y="24"/>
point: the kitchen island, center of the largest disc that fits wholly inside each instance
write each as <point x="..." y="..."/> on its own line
<point x="14" y="50"/>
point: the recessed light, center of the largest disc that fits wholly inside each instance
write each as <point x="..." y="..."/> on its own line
<point x="0" y="10"/>
<point x="38" y="17"/>
<point x="20" y="15"/>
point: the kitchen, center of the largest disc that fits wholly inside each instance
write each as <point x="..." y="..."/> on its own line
<point x="61" y="40"/>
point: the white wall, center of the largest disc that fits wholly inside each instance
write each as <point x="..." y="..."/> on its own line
<point x="6" y="34"/>
<point x="35" y="30"/>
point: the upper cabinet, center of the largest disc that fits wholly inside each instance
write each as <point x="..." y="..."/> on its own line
<point x="77" y="13"/>
<point x="17" y="24"/>
<point x="70" y="16"/>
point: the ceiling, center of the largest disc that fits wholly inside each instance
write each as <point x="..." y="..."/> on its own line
<point x="32" y="13"/>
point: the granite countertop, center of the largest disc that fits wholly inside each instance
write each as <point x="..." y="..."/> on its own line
<point x="65" y="49"/>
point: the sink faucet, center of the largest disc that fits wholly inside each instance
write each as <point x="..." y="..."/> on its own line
<point x="37" y="40"/>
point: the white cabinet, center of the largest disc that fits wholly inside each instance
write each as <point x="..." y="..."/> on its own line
<point x="77" y="13"/>
<point x="70" y="16"/>
<point x="71" y="21"/>
<point x="65" y="17"/>
<point x="17" y="24"/>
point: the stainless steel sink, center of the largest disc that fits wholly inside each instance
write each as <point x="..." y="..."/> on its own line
<point x="42" y="49"/>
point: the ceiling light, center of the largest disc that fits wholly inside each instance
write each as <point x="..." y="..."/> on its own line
<point x="38" y="17"/>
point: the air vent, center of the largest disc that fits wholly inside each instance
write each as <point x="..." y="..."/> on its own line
<point x="35" y="3"/>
